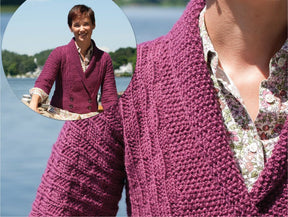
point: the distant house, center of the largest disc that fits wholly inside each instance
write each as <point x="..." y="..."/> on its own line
<point x="34" y="74"/>
<point x="125" y="69"/>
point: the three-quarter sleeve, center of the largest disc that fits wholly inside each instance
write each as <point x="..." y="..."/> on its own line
<point x="85" y="172"/>
<point x="108" y="86"/>
<point x="49" y="72"/>
<point x="37" y="91"/>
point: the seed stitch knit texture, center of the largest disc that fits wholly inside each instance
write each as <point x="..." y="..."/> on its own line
<point x="165" y="141"/>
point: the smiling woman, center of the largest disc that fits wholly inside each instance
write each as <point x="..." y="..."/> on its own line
<point x="80" y="68"/>
<point x="81" y="21"/>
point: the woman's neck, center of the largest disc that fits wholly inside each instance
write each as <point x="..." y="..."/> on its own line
<point x="245" y="32"/>
<point x="84" y="46"/>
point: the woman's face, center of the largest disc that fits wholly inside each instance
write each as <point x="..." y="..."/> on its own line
<point x="82" y="28"/>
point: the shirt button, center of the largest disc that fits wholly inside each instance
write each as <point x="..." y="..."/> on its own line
<point x="71" y="99"/>
<point x="89" y="107"/>
<point x="269" y="98"/>
<point x="89" y="100"/>
<point x="281" y="62"/>
<point x="253" y="147"/>
<point x="70" y="106"/>
<point x="283" y="93"/>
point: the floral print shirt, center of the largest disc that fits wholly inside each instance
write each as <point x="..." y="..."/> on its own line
<point x="85" y="62"/>
<point x="251" y="142"/>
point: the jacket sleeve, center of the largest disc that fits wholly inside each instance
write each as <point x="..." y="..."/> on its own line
<point x="85" y="172"/>
<point x="49" y="72"/>
<point x="108" y="86"/>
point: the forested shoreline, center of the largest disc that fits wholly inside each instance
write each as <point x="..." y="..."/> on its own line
<point x="15" y="64"/>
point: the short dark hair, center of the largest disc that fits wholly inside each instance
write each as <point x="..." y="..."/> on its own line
<point x="79" y="10"/>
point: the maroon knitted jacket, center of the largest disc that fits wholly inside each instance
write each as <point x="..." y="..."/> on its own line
<point x="76" y="91"/>
<point x="165" y="141"/>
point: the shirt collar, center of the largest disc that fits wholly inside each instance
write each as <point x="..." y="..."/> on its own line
<point x="283" y="50"/>
<point x="89" y="52"/>
<point x="210" y="55"/>
<point x="281" y="57"/>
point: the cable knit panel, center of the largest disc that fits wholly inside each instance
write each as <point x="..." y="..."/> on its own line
<point x="166" y="140"/>
<point x="85" y="173"/>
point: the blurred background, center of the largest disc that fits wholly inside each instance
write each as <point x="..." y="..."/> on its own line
<point x="27" y="137"/>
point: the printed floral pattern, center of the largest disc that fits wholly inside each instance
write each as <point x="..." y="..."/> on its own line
<point x="85" y="62"/>
<point x="251" y="142"/>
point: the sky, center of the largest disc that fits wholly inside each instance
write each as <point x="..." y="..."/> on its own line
<point x="38" y="25"/>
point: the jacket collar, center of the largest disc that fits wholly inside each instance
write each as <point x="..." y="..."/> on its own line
<point x="96" y="55"/>
<point x="186" y="42"/>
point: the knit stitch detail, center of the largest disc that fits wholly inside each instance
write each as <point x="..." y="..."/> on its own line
<point x="84" y="175"/>
<point x="167" y="139"/>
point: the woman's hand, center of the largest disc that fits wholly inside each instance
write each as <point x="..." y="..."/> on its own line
<point x="34" y="103"/>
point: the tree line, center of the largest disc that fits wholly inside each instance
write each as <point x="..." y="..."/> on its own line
<point x="123" y="56"/>
<point x="12" y="2"/>
<point x="17" y="64"/>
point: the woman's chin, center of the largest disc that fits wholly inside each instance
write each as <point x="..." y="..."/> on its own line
<point x="84" y="39"/>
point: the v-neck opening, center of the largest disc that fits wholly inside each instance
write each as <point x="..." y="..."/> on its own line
<point x="221" y="158"/>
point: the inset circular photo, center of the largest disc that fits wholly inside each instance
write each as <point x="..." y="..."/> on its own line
<point x="68" y="60"/>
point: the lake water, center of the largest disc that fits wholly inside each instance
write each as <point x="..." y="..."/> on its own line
<point x="27" y="138"/>
<point x="21" y="86"/>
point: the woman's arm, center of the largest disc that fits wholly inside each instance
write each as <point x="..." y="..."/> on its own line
<point x="38" y="96"/>
<point x="85" y="173"/>
<point x="45" y="81"/>
<point x="108" y="86"/>
<point x="49" y="72"/>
